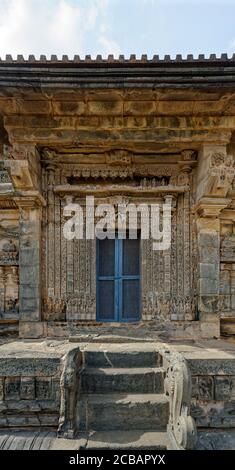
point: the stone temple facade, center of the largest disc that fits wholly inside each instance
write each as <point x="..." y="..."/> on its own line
<point x="125" y="131"/>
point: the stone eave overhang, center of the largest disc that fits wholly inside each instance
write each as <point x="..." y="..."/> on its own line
<point x="52" y="73"/>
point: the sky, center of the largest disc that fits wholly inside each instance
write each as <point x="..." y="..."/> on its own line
<point x="116" y="27"/>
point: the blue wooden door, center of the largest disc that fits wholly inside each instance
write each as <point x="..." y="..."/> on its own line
<point x="118" y="280"/>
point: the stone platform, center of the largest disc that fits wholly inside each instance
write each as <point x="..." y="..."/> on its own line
<point x="122" y="387"/>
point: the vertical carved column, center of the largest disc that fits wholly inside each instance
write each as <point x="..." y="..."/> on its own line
<point x="156" y="279"/>
<point x="215" y="174"/>
<point x="208" y="273"/>
<point x="30" y="268"/>
<point x="167" y="257"/>
<point x="232" y="292"/>
<point x="57" y="240"/>
<point x="2" y="290"/>
<point x="51" y="233"/>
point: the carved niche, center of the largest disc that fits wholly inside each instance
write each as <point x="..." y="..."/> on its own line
<point x="9" y="279"/>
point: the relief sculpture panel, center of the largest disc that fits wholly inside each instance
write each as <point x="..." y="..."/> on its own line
<point x="69" y="277"/>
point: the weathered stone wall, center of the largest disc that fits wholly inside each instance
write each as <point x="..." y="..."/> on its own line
<point x="124" y="129"/>
<point x="213" y="395"/>
<point x="30" y="390"/>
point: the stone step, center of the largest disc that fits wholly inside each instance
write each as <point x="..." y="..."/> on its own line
<point x="26" y="440"/>
<point x="99" y="412"/>
<point x="98" y="440"/>
<point x="9" y="328"/>
<point x="136" y="440"/>
<point x="119" y="358"/>
<point x="131" y="380"/>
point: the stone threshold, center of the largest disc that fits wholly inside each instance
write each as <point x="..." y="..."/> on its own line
<point x="147" y="330"/>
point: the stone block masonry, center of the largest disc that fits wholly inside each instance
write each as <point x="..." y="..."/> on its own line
<point x="30" y="390"/>
<point x="213" y="390"/>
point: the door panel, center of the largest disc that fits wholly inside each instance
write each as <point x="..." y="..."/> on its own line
<point x="106" y="300"/>
<point x="130" y="257"/>
<point x="118" y="280"/>
<point x="106" y="257"/>
<point x="130" y="300"/>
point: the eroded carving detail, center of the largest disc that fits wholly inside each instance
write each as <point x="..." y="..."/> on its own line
<point x="222" y="166"/>
<point x="69" y="386"/>
<point x="177" y="385"/>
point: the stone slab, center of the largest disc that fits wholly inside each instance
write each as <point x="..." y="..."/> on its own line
<point x="216" y="440"/>
<point x="122" y="411"/>
<point x="127" y="440"/>
<point x="135" y="380"/>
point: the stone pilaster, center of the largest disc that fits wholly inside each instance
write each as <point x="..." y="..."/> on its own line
<point x="214" y="177"/>
<point x="30" y="267"/>
<point x="208" y="233"/>
<point x="2" y="291"/>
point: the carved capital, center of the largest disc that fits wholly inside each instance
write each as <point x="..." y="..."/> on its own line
<point x="188" y="160"/>
<point x="20" y="173"/>
<point x="211" y="207"/>
<point x="189" y="155"/>
<point x="30" y="200"/>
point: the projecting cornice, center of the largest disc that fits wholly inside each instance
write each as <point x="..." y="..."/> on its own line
<point x="121" y="73"/>
<point x="119" y="60"/>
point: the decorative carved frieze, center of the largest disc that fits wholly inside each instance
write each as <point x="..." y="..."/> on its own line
<point x="117" y="157"/>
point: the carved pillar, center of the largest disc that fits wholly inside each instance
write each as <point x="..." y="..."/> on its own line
<point x="215" y="174"/>
<point x="2" y="291"/>
<point x="167" y="256"/>
<point x="30" y="268"/>
<point x="24" y="167"/>
<point x="208" y="236"/>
